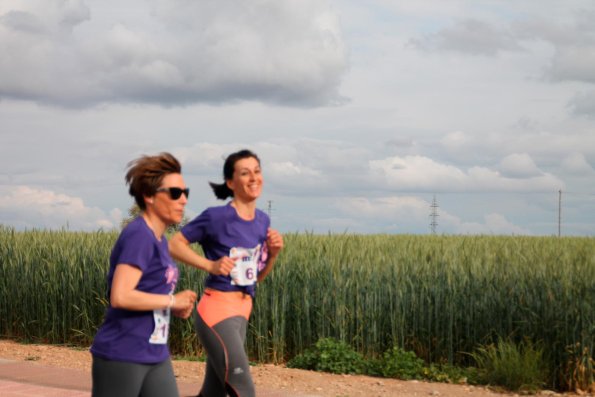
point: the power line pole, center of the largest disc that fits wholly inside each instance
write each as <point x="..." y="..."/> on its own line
<point x="559" y="212"/>
<point x="270" y="208"/>
<point x="434" y="215"/>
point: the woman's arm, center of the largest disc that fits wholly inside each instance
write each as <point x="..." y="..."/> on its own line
<point x="180" y="250"/>
<point x="274" y="245"/>
<point x="124" y="294"/>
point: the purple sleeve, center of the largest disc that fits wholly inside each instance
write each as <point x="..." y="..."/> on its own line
<point x="135" y="249"/>
<point x="196" y="230"/>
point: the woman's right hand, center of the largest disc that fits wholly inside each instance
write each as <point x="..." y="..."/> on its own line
<point x="222" y="266"/>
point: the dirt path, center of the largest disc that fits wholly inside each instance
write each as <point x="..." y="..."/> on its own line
<point x="273" y="377"/>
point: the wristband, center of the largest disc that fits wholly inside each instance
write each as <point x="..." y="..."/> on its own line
<point x="172" y="301"/>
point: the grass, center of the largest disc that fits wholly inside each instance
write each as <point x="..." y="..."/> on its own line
<point x="517" y="367"/>
<point x="437" y="296"/>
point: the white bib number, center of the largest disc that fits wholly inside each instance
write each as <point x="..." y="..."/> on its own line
<point x="246" y="266"/>
<point x="161" y="331"/>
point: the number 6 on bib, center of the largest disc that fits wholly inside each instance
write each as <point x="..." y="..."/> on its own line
<point x="246" y="265"/>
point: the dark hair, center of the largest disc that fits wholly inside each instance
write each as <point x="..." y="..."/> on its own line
<point x="222" y="191"/>
<point x="146" y="173"/>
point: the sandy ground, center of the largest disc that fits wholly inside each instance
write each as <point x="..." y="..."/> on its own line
<point x="269" y="377"/>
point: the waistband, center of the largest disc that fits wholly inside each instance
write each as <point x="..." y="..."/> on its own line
<point x="227" y="295"/>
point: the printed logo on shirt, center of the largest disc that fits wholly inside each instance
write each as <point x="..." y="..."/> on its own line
<point x="171" y="276"/>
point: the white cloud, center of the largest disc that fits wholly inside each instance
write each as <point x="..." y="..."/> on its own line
<point x="577" y="164"/>
<point x="203" y="157"/>
<point x="400" y="214"/>
<point x="419" y="173"/>
<point x="454" y="140"/>
<point x="519" y="165"/>
<point x="26" y="207"/>
<point x="397" y="214"/>
<point x="287" y="169"/>
<point x="495" y="224"/>
<point x="381" y="207"/>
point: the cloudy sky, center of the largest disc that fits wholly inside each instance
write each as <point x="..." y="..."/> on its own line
<point x="362" y="112"/>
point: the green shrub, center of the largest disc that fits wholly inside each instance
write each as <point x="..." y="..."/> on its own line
<point x="329" y="355"/>
<point x="397" y="363"/>
<point x="515" y="367"/>
<point x="447" y="373"/>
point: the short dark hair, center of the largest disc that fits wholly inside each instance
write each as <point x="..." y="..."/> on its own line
<point x="221" y="190"/>
<point x="146" y="173"/>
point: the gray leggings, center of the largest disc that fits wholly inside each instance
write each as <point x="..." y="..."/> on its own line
<point x="228" y="370"/>
<point x="122" y="379"/>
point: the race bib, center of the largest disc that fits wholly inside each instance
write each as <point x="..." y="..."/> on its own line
<point x="161" y="331"/>
<point x="246" y="266"/>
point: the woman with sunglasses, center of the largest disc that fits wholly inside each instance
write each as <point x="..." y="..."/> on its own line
<point x="240" y="249"/>
<point x="130" y="352"/>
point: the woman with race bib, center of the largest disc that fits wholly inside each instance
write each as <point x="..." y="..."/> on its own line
<point x="240" y="250"/>
<point x="130" y="353"/>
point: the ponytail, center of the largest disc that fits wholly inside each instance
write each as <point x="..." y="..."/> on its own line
<point x="222" y="191"/>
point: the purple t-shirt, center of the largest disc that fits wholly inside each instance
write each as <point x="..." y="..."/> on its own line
<point x="221" y="232"/>
<point x="138" y="336"/>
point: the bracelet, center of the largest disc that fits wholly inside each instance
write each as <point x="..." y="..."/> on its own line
<point x="172" y="301"/>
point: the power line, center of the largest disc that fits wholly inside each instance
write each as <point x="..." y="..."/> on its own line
<point x="434" y="215"/>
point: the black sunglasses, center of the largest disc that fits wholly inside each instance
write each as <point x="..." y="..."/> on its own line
<point x="175" y="192"/>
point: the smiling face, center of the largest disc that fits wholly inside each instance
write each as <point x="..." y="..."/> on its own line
<point x="246" y="183"/>
<point x="170" y="211"/>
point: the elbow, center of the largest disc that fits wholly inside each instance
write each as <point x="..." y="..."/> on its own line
<point x="116" y="300"/>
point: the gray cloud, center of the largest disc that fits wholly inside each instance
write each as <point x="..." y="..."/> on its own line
<point x="470" y="36"/>
<point x="583" y="104"/>
<point x="482" y="121"/>
<point x="574" y="63"/>
<point x="573" y="42"/>
<point x="213" y="52"/>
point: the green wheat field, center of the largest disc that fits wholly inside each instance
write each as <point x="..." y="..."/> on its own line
<point x="439" y="296"/>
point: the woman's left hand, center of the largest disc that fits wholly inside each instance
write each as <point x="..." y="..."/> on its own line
<point x="184" y="303"/>
<point x="274" y="242"/>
